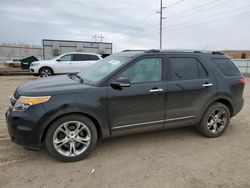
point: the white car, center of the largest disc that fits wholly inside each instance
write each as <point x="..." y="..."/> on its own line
<point x="72" y="62"/>
<point x="13" y="63"/>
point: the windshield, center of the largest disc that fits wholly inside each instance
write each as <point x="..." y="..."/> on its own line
<point x="102" y="68"/>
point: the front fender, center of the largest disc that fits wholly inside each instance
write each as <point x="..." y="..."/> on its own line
<point x="70" y="109"/>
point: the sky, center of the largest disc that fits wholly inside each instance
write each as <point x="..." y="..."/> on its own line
<point x="129" y="24"/>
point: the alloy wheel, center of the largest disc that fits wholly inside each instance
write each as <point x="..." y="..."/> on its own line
<point x="217" y="120"/>
<point x="46" y="73"/>
<point x="71" y="138"/>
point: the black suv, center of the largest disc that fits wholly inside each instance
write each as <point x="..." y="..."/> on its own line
<point x="127" y="92"/>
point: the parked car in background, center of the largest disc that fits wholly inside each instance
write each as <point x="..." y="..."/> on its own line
<point x="66" y="63"/>
<point x="13" y="63"/>
<point x="127" y="92"/>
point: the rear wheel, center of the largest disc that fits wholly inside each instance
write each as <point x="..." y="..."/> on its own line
<point x="214" y="121"/>
<point x="45" y="72"/>
<point x="71" y="138"/>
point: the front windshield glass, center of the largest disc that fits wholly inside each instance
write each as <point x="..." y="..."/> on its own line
<point x="102" y="68"/>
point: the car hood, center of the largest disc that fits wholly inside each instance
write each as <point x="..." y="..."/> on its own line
<point x="51" y="86"/>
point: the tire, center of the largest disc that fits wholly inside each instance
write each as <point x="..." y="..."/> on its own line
<point x="12" y="65"/>
<point x="45" y="72"/>
<point x="62" y="134"/>
<point x="214" y="121"/>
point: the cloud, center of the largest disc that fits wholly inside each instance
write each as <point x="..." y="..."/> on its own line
<point x="122" y="23"/>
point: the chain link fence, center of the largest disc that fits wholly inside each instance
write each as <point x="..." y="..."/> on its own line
<point x="243" y="65"/>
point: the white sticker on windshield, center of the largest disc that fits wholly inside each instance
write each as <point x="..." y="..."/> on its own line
<point x="114" y="62"/>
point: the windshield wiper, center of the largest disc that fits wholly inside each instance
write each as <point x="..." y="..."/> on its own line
<point x="74" y="75"/>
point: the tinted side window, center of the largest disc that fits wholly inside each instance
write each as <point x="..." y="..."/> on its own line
<point x="79" y="57"/>
<point x="226" y="66"/>
<point x="92" y="57"/>
<point x="183" y="68"/>
<point x="85" y="57"/>
<point x="145" y="70"/>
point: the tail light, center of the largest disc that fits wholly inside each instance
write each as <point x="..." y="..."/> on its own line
<point x="242" y="81"/>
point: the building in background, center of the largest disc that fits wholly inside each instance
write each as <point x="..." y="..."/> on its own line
<point x="53" y="48"/>
<point x="10" y="52"/>
<point x="237" y="54"/>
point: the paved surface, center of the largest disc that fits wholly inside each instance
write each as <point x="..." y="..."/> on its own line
<point x="172" y="158"/>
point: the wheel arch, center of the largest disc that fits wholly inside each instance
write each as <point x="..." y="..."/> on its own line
<point x="224" y="100"/>
<point x="100" y="131"/>
<point x="228" y="104"/>
<point x="48" y="67"/>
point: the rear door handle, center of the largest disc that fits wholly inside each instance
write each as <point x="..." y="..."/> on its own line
<point x="156" y="90"/>
<point x="207" y="85"/>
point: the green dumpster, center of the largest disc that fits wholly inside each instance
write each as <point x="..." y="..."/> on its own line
<point x="25" y="63"/>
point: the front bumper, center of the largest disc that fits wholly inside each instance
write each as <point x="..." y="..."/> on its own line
<point x="34" y="69"/>
<point x="25" y="127"/>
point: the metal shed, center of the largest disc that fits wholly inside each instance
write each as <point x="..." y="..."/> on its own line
<point x="53" y="48"/>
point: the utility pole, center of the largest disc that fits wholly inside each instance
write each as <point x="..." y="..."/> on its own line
<point x="161" y="18"/>
<point x="96" y="37"/>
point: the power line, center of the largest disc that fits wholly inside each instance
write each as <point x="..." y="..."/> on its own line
<point x="208" y="21"/>
<point x="220" y="13"/>
<point x="126" y="27"/>
<point x="184" y="15"/>
<point x="175" y="3"/>
<point x="141" y="34"/>
<point x="200" y="6"/>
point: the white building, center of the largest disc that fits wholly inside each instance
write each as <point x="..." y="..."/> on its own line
<point x="9" y="52"/>
<point x="53" y="48"/>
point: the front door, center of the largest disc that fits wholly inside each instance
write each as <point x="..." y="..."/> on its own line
<point x="64" y="65"/>
<point x="142" y="105"/>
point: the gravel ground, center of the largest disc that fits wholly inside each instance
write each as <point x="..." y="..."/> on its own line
<point x="171" y="158"/>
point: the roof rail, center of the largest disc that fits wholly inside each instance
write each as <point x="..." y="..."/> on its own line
<point x="133" y="51"/>
<point x="176" y="51"/>
<point x="218" y="53"/>
<point x="152" y="51"/>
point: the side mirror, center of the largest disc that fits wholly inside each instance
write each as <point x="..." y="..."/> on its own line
<point x="58" y="60"/>
<point x="120" y="82"/>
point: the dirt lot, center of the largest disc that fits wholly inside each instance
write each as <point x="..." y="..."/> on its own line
<point x="172" y="158"/>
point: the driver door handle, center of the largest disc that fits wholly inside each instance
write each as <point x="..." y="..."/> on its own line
<point x="207" y="85"/>
<point x="156" y="90"/>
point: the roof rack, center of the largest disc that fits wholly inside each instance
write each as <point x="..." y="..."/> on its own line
<point x="152" y="51"/>
<point x="176" y="51"/>
<point x="133" y="51"/>
<point x="218" y="53"/>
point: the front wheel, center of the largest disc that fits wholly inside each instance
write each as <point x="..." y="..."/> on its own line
<point x="45" y="72"/>
<point x="214" y="121"/>
<point x="71" y="138"/>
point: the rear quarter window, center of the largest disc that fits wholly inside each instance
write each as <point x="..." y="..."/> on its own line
<point x="226" y="66"/>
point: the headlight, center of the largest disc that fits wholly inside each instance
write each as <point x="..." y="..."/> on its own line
<point x="23" y="103"/>
<point x="34" y="64"/>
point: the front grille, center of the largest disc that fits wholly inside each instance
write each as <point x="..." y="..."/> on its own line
<point x="12" y="101"/>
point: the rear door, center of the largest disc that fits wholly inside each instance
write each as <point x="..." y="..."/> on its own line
<point x="189" y="87"/>
<point x="82" y="61"/>
<point x="141" y="106"/>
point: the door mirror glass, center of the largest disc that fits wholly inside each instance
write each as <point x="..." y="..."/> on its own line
<point x="120" y="82"/>
<point x="58" y="60"/>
